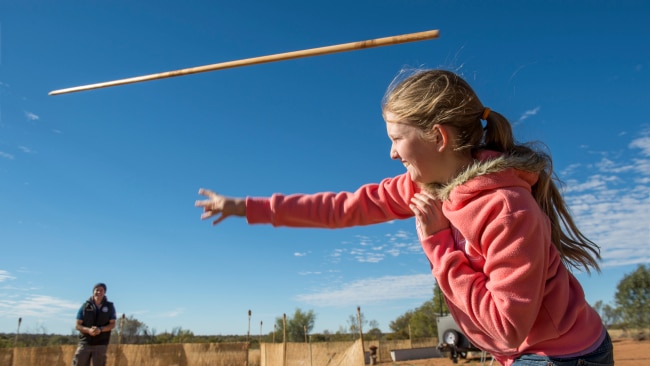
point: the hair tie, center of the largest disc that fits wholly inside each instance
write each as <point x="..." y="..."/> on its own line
<point x="486" y="113"/>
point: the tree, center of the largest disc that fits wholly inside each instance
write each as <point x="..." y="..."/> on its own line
<point x="366" y="326"/>
<point x="439" y="303"/>
<point x="633" y="298"/>
<point x="132" y="330"/>
<point x="298" y="326"/>
<point x="374" y="333"/>
<point x="179" y="335"/>
<point x="353" y="324"/>
<point x="608" y="314"/>
<point x="400" y="326"/>
<point x="421" y="322"/>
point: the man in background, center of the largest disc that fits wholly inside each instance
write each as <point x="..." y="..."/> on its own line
<point x="95" y="320"/>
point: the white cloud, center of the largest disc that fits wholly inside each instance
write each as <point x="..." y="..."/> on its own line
<point x="307" y="273"/>
<point x="6" y="155"/>
<point x="5" y="275"/>
<point x="173" y="313"/>
<point x="25" y="149"/>
<point x="642" y="143"/>
<point x="368" y="249"/>
<point x="36" y="306"/>
<point x="296" y="254"/>
<point x="528" y="113"/>
<point x="610" y="202"/>
<point x="363" y="256"/>
<point x="372" y="291"/>
<point x="31" y="116"/>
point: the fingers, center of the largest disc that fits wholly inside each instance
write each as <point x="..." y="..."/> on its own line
<point x="198" y="203"/>
<point x="210" y="202"/>
<point x="428" y="213"/>
<point x="221" y="218"/>
<point x="424" y="199"/>
<point x="208" y="214"/>
<point x="218" y="207"/>
<point x="207" y="193"/>
<point x="211" y="207"/>
<point x="423" y="204"/>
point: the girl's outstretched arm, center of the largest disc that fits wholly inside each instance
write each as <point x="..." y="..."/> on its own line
<point x="220" y="206"/>
<point x="369" y="204"/>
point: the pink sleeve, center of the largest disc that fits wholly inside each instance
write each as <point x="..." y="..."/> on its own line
<point x="501" y="299"/>
<point x="370" y="204"/>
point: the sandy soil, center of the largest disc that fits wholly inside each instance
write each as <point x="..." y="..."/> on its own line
<point x="627" y="352"/>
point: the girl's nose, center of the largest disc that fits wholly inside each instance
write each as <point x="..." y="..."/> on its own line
<point x="393" y="154"/>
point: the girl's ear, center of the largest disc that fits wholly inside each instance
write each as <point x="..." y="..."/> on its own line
<point x="441" y="137"/>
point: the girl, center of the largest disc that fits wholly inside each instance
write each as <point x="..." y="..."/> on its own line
<point x="491" y="220"/>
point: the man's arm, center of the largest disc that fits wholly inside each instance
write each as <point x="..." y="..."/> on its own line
<point x="108" y="327"/>
<point x="92" y="331"/>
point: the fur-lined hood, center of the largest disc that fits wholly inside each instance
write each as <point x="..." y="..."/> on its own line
<point x="490" y="162"/>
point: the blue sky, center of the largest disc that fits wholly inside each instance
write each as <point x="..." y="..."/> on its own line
<point x="100" y="185"/>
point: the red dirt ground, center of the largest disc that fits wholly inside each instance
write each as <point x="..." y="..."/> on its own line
<point x="627" y="352"/>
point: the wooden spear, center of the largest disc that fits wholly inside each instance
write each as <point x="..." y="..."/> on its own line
<point x="386" y="41"/>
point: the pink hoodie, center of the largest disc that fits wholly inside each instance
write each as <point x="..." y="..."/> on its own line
<point x="503" y="279"/>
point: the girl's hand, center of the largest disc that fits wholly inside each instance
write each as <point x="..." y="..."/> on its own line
<point x="220" y="206"/>
<point x="428" y="213"/>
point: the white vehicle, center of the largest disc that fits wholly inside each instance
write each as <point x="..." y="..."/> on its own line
<point x="451" y="339"/>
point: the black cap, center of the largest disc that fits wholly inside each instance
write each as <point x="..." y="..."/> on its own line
<point x="100" y="284"/>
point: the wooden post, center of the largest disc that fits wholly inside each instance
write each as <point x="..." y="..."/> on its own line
<point x="20" y="320"/>
<point x="311" y="359"/>
<point x="248" y="337"/>
<point x="119" y="340"/>
<point x="363" y="349"/>
<point x="261" y="345"/>
<point x="119" y="335"/>
<point x="284" y="339"/>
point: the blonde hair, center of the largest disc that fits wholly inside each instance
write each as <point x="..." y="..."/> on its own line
<point x="426" y="98"/>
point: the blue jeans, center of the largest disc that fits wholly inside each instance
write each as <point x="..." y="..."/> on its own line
<point x="602" y="356"/>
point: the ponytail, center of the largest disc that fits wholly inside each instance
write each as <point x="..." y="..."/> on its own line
<point x="575" y="249"/>
<point x="498" y="133"/>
